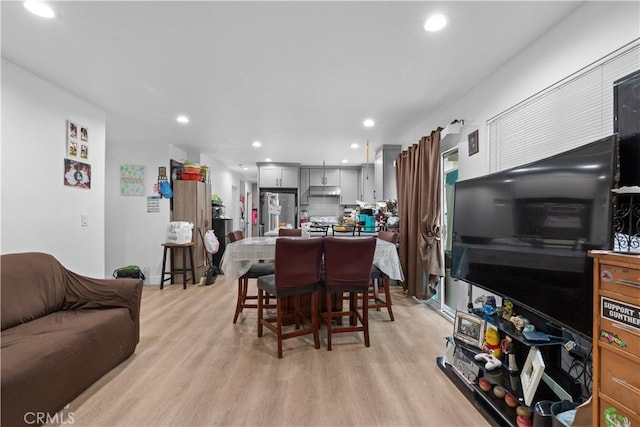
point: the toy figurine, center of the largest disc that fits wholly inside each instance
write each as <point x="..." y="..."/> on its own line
<point x="491" y="344"/>
<point x="519" y="322"/>
<point x="510" y="357"/>
<point x="507" y="310"/>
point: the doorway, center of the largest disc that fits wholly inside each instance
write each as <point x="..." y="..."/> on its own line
<point x="453" y="293"/>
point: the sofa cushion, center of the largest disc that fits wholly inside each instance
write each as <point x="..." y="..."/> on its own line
<point x="54" y="358"/>
<point x="33" y="285"/>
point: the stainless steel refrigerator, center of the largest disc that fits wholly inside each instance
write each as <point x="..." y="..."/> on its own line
<point x="278" y="207"/>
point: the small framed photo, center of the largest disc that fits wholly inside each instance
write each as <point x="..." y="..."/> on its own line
<point x="474" y="146"/>
<point x="531" y="374"/>
<point x="469" y="329"/>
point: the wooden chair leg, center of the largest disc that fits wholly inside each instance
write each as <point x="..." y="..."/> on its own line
<point x="328" y="319"/>
<point x="279" y="325"/>
<point x="365" y="319"/>
<point x="387" y="293"/>
<point x="240" y="300"/>
<point x="260" y="313"/>
<point x="314" y="319"/>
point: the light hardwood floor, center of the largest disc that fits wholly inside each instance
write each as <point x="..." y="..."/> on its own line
<point x="193" y="367"/>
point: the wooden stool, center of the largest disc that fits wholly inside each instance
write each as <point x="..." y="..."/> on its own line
<point x="173" y="272"/>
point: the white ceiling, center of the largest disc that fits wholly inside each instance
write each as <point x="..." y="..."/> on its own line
<point x="298" y="76"/>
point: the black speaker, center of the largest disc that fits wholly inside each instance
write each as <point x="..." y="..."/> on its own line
<point x="626" y="104"/>
<point x="626" y="115"/>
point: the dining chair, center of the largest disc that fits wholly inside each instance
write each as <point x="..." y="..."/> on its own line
<point x="290" y="232"/>
<point x="347" y="268"/>
<point x="297" y="272"/>
<point x="377" y="275"/>
<point x="255" y="271"/>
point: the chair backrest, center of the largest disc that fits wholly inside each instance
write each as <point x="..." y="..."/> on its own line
<point x="235" y="235"/>
<point x="293" y="232"/>
<point x="389" y="236"/>
<point x="298" y="262"/>
<point x="347" y="262"/>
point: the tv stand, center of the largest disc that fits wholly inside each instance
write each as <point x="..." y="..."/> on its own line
<point x="493" y="409"/>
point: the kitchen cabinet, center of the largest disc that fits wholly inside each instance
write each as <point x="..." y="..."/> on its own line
<point x="367" y="183"/>
<point x="616" y="338"/>
<point x="192" y="203"/>
<point x="324" y="176"/>
<point x="348" y="186"/>
<point x="304" y="186"/>
<point x="278" y="176"/>
<point x="385" y="172"/>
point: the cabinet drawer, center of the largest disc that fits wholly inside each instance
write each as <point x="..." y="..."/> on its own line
<point x="620" y="336"/>
<point x="611" y="414"/>
<point x="620" y="379"/>
<point x="621" y="280"/>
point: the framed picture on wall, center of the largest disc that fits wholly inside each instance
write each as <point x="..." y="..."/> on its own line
<point x="77" y="141"/>
<point x="474" y="146"/>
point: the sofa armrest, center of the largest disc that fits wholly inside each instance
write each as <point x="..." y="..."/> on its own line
<point x="86" y="292"/>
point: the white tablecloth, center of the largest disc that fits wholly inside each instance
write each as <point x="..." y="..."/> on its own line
<point x="239" y="255"/>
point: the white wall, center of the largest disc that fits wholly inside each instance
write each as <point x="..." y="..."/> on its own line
<point x="40" y="213"/>
<point x="595" y="30"/>
<point x="133" y="235"/>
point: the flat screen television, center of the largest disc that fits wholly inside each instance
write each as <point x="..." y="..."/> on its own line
<point x="524" y="233"/>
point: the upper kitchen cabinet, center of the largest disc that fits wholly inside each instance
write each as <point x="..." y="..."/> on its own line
<point x="367" y="183"/>
<point x="324" y="176"/>
<point x="278" y="176"/>
<point x="304" y="186"/>
<point x="348" y="186"/>
<point x="385" y="172"/>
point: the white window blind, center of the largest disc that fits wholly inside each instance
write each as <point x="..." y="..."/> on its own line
<point x="573" y="112"/>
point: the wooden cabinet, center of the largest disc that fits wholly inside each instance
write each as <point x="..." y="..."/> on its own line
<point x="278" y="176"/>
<point x="324" y="176"/>
<point x="192" y="203"/>
<point x="348" y="186"/>
<point x="616" y="338"/>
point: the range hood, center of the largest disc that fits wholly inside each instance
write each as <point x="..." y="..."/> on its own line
<point x="324" y="191"/>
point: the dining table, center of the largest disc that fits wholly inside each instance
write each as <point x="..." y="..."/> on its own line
<point x="240" y="255"/>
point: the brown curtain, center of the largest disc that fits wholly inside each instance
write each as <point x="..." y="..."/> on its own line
<point x="419" y="206"/>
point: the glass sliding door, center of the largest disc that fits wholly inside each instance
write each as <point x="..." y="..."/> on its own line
<point x="454" y="295"/>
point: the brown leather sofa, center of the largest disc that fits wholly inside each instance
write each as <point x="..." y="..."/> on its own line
<point x="61" y="332"/>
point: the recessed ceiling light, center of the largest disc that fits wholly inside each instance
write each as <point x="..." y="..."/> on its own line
<point x="257" y="144"/>
<point x="435" y="23"/>
<point x="355" y="145"/>
<point x="345" y="161"/>
<point x="39" y="8"/>
<point x="267" y="159"/>
<point x="368" y="123"/>
<point x="182" y="119"/>
<point x="244" y="168"/>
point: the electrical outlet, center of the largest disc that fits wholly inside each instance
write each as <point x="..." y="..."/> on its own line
<point x="84" y="220"/>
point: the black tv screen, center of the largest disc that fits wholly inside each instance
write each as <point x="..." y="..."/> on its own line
<point x="524" y="233"/>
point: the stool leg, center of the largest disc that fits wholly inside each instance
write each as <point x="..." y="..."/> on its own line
<point x="172" y="255"/>
<point x="164" y="264"/>
<point x="193" y="269"/>
<point x="184" y="268"/>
